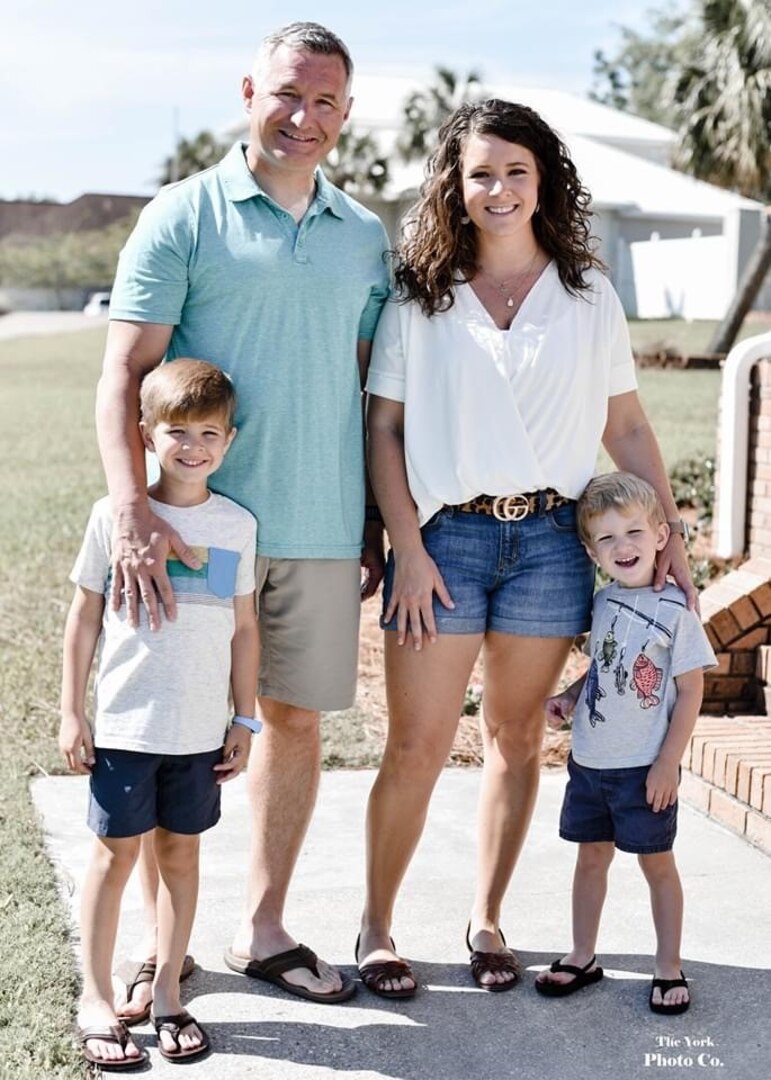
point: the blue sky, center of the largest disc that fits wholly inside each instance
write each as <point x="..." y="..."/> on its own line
<point x="92" y="93"/>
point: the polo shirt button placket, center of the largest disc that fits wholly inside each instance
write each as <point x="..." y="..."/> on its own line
<point x="298" y="250"/>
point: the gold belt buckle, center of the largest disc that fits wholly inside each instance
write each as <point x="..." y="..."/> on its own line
<point x="510" y="507"/>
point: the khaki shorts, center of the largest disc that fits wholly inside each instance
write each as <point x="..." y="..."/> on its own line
<point x="309" y="631"/>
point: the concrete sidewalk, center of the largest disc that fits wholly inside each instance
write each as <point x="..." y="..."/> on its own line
<point x="451" y="1030"/>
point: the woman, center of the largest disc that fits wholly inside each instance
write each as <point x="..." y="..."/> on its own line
<point x="504" y="363"/>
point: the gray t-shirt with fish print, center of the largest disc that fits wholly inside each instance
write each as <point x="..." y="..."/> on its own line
<point x="640" y="642"/>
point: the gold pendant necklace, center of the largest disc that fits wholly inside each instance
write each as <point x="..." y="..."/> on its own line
<point x="519" y="279"/>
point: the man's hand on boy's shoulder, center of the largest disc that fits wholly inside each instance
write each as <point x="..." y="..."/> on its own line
<point x="141" y="543"/>
<point x="76" y="743"/>
<point x="235" y="753"/>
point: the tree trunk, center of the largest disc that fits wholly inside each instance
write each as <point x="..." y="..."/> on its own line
<point x="748" y="288"/>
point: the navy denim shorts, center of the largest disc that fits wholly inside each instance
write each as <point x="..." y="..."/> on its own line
<point x="531" y="577"/>
<point x="132" y="792"/>
<point x="609" y="805"/>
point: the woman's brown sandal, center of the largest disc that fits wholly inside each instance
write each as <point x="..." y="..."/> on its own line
<point x="380" y="971"/>
<point x="483" y="963"/>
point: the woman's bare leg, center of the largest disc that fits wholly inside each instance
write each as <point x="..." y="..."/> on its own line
<point x="425" y="693"/>
<point x="519" y="674"/>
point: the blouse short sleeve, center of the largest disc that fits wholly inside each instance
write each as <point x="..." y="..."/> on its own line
<point x="623" y="376"/>
<point x="386" y="376"/>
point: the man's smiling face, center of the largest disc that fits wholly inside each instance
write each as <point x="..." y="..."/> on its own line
<point x="298" y="102"/>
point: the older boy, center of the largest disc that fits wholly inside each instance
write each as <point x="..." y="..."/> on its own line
<point x="634" y="712"/>
<point x="161" y="744"/>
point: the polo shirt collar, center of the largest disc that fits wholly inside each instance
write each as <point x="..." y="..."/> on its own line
<point x="240" y="184"/>
<point x="328" y="197"/>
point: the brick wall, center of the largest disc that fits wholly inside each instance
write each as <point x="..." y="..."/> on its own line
<point x="727" y="774"/>
<point x="737" y="617"/>
<point x="737" y="609"/>
<point x="759" y="463"/>
<point x="727" y="765"/>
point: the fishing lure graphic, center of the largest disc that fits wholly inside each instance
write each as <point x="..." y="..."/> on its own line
<point x="592" y="693"/>
<point x="620" y="674"/>
<point x="608" y="648"/>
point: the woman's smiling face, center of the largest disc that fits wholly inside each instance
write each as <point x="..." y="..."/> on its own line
<point x="500" y="184"/>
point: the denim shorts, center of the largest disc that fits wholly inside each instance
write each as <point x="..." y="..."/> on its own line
<point x="531" y="577"/>
<point x="132" y="792"/>
<point x="609" y="805"/>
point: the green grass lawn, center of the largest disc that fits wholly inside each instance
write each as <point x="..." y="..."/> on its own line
<point x="649" y="335"/>
<point x="49" y="479"/>
<point x="50" y="475"/>
<point x="682" y="406"/>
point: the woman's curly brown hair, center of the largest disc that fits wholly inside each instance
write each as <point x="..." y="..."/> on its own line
<point x="438" y="250"/>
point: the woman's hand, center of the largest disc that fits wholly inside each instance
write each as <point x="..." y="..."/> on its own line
<point x="416" y="579"/>
<point x="672" y="560"/>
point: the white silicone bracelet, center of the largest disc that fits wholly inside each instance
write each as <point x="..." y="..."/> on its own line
<point x="250" y="722"/>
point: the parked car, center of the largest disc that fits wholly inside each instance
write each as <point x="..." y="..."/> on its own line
<point x="98" y="304"/>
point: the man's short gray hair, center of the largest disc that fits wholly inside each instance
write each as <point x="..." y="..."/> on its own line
<point x="306" y="35"/>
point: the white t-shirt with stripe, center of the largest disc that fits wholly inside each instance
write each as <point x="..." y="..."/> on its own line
<point x="167" y="691"/>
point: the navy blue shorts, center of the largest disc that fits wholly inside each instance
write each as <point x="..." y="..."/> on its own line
<point x="132" y="792"/>
<point x="609" y="805"/>
<point x="531" y="578"/>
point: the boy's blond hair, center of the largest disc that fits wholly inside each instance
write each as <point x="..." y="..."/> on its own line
<point x="616" y="491"/>
<point x="186" y="390"/>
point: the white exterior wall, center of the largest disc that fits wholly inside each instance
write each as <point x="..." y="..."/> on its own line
<point x="688" y="278"/>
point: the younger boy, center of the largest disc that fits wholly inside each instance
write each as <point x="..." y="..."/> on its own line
<point x="161" y="745"/>
<point x="634" y="712"/>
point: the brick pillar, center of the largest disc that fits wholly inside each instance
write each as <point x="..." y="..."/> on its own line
<point x="758" y="523"/>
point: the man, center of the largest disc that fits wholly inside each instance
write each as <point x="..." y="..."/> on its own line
<point x="261" y="266"/>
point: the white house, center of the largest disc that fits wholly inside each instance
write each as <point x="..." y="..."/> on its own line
<point x="675" y="246"/>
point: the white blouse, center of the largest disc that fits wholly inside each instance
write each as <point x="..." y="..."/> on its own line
<point x="497" y="412"/>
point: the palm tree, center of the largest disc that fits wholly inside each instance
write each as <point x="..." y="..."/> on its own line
<point x="721" y="98"/>
<point x="633" y="78"/>
<point x="357" y="164"/>
<point x="191" y="156"/>
<point x="425" y="110"/>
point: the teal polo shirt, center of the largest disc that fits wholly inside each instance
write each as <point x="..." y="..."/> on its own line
<point x="280" y="308"/>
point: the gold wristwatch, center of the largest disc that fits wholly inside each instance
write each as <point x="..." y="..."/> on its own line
<point x="680" y="527"/>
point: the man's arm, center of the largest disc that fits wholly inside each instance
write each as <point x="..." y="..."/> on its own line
<point x="373" y="555"/>
<point x="141" y="541"/>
